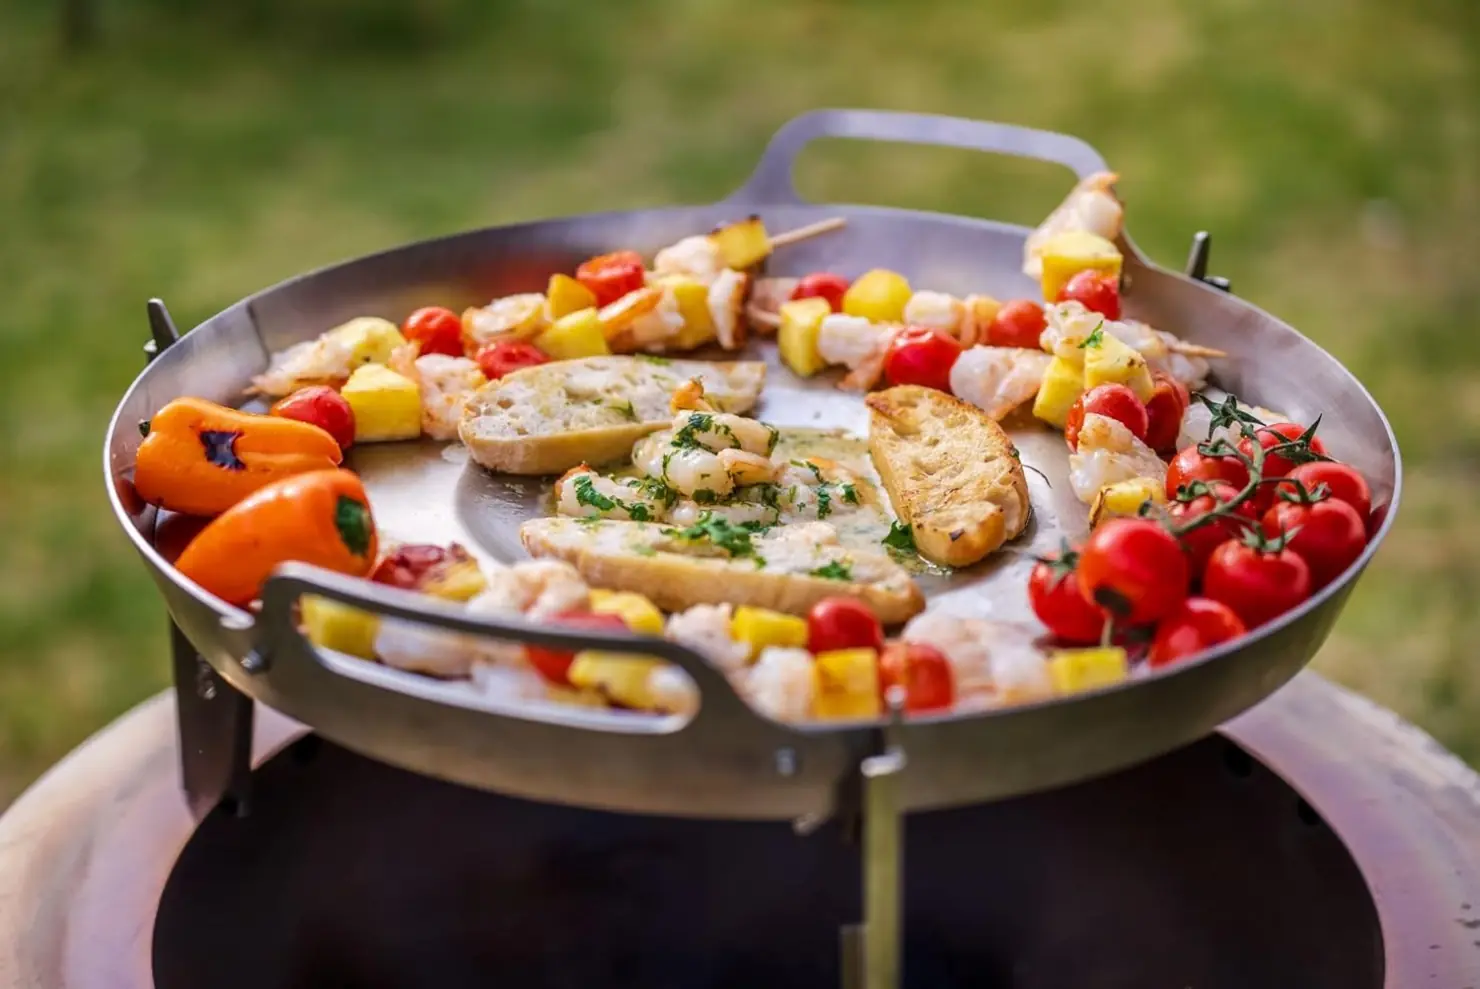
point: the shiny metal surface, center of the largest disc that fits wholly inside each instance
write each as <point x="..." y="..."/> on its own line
<point x="726" y="761"/>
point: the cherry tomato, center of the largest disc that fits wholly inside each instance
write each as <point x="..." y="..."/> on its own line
<point x="1095" y="290"/>
<point x="1018" y="324"/>
<point x="1113" y="401"/>
<point x="611" y="276"/>
<point x="322" y="406"/>
<point x="822" y="285"/>
<point x="507" y="356"/>
<point x="1164" y="413"/>
<point x="922" y="356"/>
<point x="1278" y="464"/>
<point x="1342" y="482"/>
<point x="1258" y="584"/>
<point x="843" y="623"/>
<point x="1200" y="623"/>
<point x="435" y="330"/>
<point x="1133" y="568"/>
<point x="1190" y="464"/>
<point x="554" y="664"/>
<point x="923" y="671"/>
<point x="1328" y="535"/>
<point x="1200" y="542"/>
<point x="1053" y="591"/>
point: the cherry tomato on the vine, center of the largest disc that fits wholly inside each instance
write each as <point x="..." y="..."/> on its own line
<point x="1258" y="583"/>
<point x="1018" y="324"/>
<point x="1342" y="482"/>
<point x="1113" y="401"/>
<point x="506" y="356"/>
<point x="1201" y="541"/>
<point x="822" y="285"/>
<point x="923" y="671"/>
<point x="322" y="406"/>
<point x="843" y="623"/>
<point x="1191" y="464"/>
<point x="554" y="664"/>
<point x="922" y="356"/>
<point x="1199" y="624"/>
<point x="1280" y="464"/>
<point x="1164" y="413"/>
<point x="1134" y="569"/>
<point x="1095" y="290"/>
<point x="1053" y="591"/>
<point x="611" y="276"/>
<point x="435" y="330"/>
<point x="1327" y="534"/>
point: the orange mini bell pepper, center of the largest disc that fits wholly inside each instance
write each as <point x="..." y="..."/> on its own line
<point x="321" y="517"/>
<point x="200" y="458"/>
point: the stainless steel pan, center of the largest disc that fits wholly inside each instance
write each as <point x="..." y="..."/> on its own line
<point x="727" y="761"/>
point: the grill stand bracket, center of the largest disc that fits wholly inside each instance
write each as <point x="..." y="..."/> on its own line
<point x="215" y="722"/>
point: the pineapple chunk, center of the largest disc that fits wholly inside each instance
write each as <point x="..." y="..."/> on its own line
<point x="578" y="698"/>
<point x="879" y="295"/>
<point x="801" y="321"/>
<point x="576" y="334"/>
<point x="744" y="244"/>
<point x="387" y="405"/>
<point x="1067" y="254"/>
<point x="564" y="295"/>
<point x="370" y="339"/>
<point x="845" y="684"/>
<point x="1063" y="382"/>
<point x="692" y="298"/>
<point x="462" y="581"/>
<point x="1124" y="499"/>
<point x="760" y="628"/>
<point x="622" y="679"/>
<point x="1077" y="670"/>
<point x="334" y="625"/>
<point x="1109" y="361"/>
<point x="640" y="614"/>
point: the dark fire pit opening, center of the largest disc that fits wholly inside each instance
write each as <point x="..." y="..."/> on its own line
<point x="1201" y="869"/>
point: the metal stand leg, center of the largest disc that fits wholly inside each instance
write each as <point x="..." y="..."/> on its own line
<point x="873" y="950"/>
<point x="215" y="722"/>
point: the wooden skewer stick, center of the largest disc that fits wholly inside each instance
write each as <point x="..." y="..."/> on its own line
<point x="1195" y="350"/>
<point x="809" y="231"/>
<point x="761" y="319"/>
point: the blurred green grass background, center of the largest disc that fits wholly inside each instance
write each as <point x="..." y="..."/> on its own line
<point x="200" y="152"/>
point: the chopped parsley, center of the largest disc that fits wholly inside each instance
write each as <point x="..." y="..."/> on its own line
<point x="644" y="550"/>
<point x="1096" y="336"/>
<point x="626" y="409"/>
<point x="808" y="465"/>
<point x="850" y="494"/>
<point x="698" y="424"/>
<point x="901" y="537"/>
<point x="637" y="512"/>
<point x="836" y="570"/>
<point x="654" y="489"/>
<point x="723" y="534"/>
<point x="586" y="494"/>
<point x="775" y="437"/>
<point x="824" y="502"/>
<point x="653" y="359"/>
<point x="770" y="495"/>
<point x="705" y="497"/>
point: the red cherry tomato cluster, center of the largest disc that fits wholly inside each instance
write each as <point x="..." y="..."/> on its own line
<point x="922" y="356"/>
<point x="1251" y="531"/>
<point x="506" y="356"/>
<point x="1157" y="422"/>
<point x="1097" y="291"/>
<point x="822" y="285"/>
<point x="321" y="406"/>
<point x="611" y="276"/>
<point x="922" y="670"/>
<point x="1019" y="323"/>
<point x="435" y="331"/>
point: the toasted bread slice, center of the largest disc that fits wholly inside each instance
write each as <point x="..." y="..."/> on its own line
<point x="785" y="569"/>
<point x="552" y="417"/>
<point x="950" y="470"/>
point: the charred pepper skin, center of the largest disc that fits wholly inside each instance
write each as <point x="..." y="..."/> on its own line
<point x="200" y="458"/>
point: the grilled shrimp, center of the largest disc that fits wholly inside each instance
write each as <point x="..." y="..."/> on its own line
<point x="583" y="493"/>
<point x="1109" y="452"/>
<point x="520" y="316"/>
<point x="705" y="628"/>
<point x="536" y="588"/>
<point x="688" y="513"/>
<point x="779" y="685"/>
<point x="980" y="311"/>
<point x="690" y="395"/>
<point x="689" y="470"/>
<point x="727" y="307"/>
<point x="697" y="257"/>
<point x="935" y="310"/>
<point x="1090" y="206"/>
<point x="326" y="360"/>
<point x="651" y="330"/>
<point x="1067" y="324"/>
<point x="745" y="467"/>
<point x="415" y="648"/>
<point x="994" y="662"/>
<point x="723" y="431"/>
<point x="998" y="379"/>
<point x="446" y="383"/>
<point x="850" y="340"/>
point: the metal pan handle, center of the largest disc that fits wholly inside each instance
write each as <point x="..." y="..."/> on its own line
<point x="771" y="182"/>
<point x="557" y="753"/>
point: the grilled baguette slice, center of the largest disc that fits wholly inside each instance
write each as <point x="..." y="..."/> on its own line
<point x="775" y="569"/>
<point x="552" y="417"/>
<point x="951" y="473"/>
